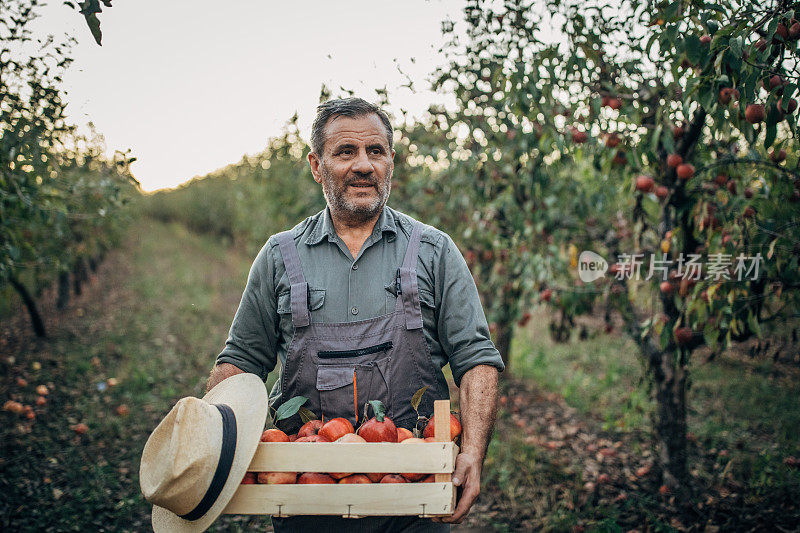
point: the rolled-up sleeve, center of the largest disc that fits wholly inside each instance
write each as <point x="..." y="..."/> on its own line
<point x="252" y="339"/>
<point x="462" y="327"/>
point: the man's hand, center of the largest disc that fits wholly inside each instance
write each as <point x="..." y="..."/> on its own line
<point x="478" y="403"/>
<point x="220" y="372"/>
<point x="468" y="476"/>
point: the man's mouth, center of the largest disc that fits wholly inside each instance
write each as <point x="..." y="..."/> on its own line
<point x="362" y="185"/>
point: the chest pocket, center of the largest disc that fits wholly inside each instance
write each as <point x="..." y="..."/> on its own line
<point x="425" y="300"/>
<point x="316" y="300"/>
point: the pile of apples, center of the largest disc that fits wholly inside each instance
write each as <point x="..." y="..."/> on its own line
<point x="340" y="430"/>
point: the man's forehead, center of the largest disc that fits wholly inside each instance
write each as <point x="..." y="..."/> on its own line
<point x="365" y="128"/>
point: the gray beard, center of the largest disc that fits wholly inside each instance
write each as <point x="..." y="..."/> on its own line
<point x="347" y="211"/>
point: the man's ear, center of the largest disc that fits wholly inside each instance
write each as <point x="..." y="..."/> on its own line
<point x="315" y="162"/>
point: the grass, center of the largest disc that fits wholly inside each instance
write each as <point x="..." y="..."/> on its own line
<point x="157" y="331"/>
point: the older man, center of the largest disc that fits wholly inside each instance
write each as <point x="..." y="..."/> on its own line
<point x="361" y="302"/>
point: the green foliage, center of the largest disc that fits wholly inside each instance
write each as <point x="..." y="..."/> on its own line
<point x="61" y="198"/>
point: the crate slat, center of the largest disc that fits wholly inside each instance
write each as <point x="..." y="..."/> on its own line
<point x="429" y="457"/>
<point x="379" y="499"/>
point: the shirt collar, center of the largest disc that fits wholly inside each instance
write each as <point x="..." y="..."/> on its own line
<point x="324" y="227"/>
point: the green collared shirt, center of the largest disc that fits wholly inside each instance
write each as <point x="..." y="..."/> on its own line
<point x="343" y="289"/>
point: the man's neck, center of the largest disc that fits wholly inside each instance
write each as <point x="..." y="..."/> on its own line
<point x="354" y="232"/>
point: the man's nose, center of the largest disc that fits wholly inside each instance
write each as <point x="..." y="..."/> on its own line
<point x="362" y="164"/>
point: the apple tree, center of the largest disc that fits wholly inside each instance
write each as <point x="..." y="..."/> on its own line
<point x="661" y="136"/>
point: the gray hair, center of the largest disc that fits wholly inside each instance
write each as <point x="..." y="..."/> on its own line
<point x="348" y="107"/>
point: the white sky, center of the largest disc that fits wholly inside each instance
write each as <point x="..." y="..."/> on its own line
<point x="191" y="86"/>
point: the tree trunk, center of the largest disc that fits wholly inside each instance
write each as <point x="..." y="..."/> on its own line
<point x="36" y="318"/>
<point x="503" y="341"/>
<point x="77" y="278"/>
<point x="63" y="290"/>
<point x="669" y="382"/>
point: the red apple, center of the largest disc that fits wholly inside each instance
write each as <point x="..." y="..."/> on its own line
<point x="310" y="428"/>
<point x="755" y="113"/>
<point x="354" y="479"/>
<point x="249" y="478"/>
<point x="393" y="478"/>
<point x="274" y="435"/>
<point x="455" y="428"/>
<point x="277" y="478"/>
<point x="404" y="434"/>
<point x="315" y="478"/>
<point x="673" y="160"/>
<point x="685" y="171"/>
<point x="336" y="428"/>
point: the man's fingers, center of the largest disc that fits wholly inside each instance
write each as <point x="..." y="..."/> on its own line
<point x="464" y="504"/>
<point x="460" y="473"/>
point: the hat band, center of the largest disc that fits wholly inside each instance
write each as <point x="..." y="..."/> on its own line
<point x="223" y="465"/>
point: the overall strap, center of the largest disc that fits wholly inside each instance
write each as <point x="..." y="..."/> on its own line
<point x="408" y="281"/>
<point x="301" y="316"/>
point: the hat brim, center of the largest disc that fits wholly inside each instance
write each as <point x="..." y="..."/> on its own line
<point x="246" y="394"/>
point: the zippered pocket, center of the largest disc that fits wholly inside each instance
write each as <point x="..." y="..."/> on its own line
<point x="336" y="354"/>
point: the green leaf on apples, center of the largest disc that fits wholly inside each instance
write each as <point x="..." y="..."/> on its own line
<point x="290" y="407"/>
<point x="417" y="398"/>
<point x="773" y="117"/>
<point x="378" y="408"/>
<point x="306" y="415"/>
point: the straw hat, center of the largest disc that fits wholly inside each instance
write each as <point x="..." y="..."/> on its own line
<point x="195" y="459"/>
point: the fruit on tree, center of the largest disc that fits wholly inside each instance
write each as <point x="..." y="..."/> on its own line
<point x="778" y="155"/>
<point x="613" y="140"/>
<point x="794" y="31"/>
<point x="123" y="410"/>
<point x="678" y="131"/>
<point x="579" y="137"/>
<point x="705" y="39"/>
<point x="42" y="390"/>
<point x="776" y="81"/>
<point x="274" y="435"/>
<point x="721" y="179"/>
<point x="685" y="171"/>
<point x="335" y="428"/>
<point x="782" y="31"/>
<point x="755" y="113"/>
<point x="277" y="478"/>
<point x="310" y="428"/>
<point x="315" y="478"/>
<point x="790" y="106"/>
<point x="748" y="192"/>
<point x="455" y="428"/>
<point x="726" y="94"/>
<point x="80" y="428"/>
<point x="761" y="44"/>
<point x="749" y="212"/>
<point x="683" y="335"/>
<point x="673" y="160"/>
<point x="661" y="191"/>
<point x="667" y="288"/>
<point x="644" y="183"/>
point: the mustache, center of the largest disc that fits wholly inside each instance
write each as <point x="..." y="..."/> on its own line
<point x="372" y="182"/>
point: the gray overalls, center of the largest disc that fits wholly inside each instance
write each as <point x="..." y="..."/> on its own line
<point x="341" y="366"/>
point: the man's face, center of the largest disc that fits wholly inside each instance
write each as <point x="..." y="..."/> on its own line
<point x="355" y="168"/>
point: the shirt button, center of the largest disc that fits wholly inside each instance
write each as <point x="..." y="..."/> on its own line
<point x="354" y="310"/>
<point x="355" y="266"/>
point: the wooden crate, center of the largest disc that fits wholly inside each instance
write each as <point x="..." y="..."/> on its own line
<point x="373" y="499"/>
